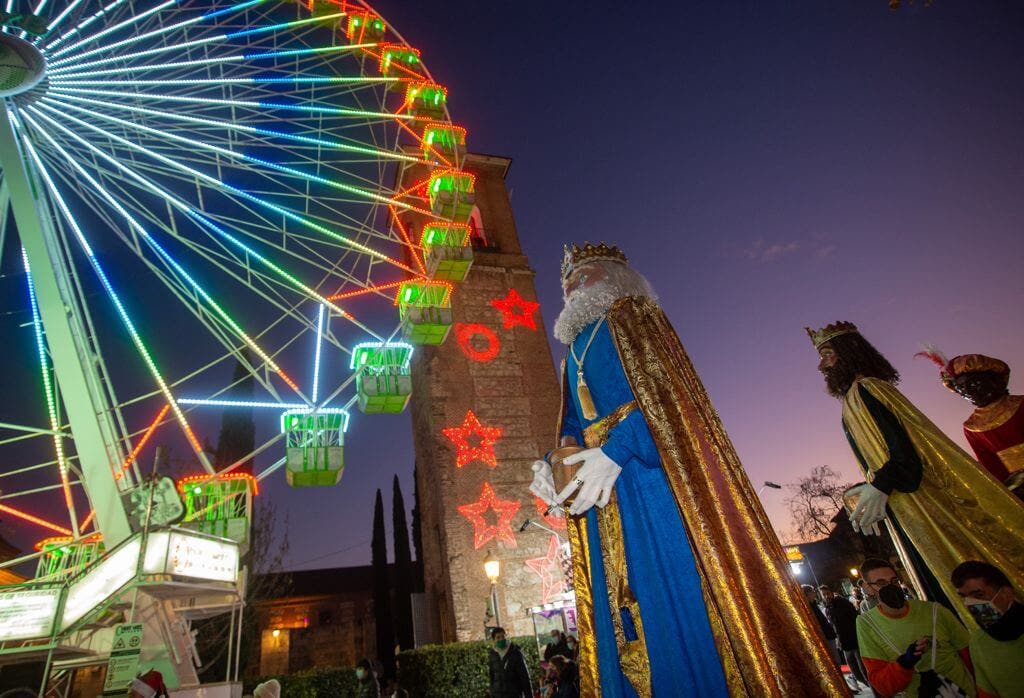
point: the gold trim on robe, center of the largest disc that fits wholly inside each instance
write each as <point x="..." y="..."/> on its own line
<point x="995" y="415"/>
<point x="959" y="512"/>
<point x="767" y="639"/>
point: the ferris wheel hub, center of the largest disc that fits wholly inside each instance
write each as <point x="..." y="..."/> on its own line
<point x="22" y="65"/>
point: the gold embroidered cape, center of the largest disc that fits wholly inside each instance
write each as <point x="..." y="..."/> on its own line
<point x="766" y="637"/>
<point x="959" y="512"/>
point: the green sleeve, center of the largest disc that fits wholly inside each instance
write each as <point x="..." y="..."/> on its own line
<point x="959" y="636"/>
<point x="871" y="646"/>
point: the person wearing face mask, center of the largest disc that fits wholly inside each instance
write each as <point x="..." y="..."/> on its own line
<point x="571" y="644"/>
<point x="507" y="668"/>
<point x="911" y="647"/>
<point x="366" y="682"/>
<point x="997" y="647"/>
<point x="557" y="646"/>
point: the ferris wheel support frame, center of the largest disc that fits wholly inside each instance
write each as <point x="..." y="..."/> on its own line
<point x="73" y="360"/>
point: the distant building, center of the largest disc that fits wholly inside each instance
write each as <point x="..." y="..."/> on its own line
<point x="324" y="618"/>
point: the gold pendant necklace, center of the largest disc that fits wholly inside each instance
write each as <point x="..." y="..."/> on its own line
<point x="587" y="406"/>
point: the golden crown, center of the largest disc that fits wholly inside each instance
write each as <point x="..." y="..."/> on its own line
<point x="576" y="256"/>
<point x="819" y="337"/>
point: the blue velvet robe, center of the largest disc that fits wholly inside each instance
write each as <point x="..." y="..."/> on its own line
<point x="662" y="572"/>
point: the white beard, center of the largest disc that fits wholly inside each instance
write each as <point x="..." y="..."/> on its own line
<point x="586" y="305"/>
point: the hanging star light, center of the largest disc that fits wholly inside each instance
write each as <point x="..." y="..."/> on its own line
<point x="516" y="311"/>
<point x="504" y="509"/>
<point x="482" y="445"/>
<point x="551" y="520"/>
<point x="549" y="569"/>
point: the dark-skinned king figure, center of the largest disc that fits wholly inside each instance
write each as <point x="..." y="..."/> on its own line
<point x="995" y="430"/>
<point x="942" y="507"/>
<point x="682" y="587"/>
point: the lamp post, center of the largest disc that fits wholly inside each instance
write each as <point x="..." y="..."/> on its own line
<point x="492" y="568"/>
<point x="768" y="483"/>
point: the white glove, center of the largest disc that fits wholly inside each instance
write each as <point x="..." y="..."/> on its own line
<point x="595" y="480"/>
<point x="543" y="484"/>
<point x="870" y="510"/>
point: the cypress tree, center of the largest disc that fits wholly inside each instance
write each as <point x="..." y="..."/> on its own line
<point x="382" y="590"/>
<point x="403" y="569"/>
<point x="417" y="528"/>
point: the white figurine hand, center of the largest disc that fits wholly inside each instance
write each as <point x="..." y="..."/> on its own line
<point x="543" y="484"/>
<point x="595" y="480"/>
<point x="870" y="510"/>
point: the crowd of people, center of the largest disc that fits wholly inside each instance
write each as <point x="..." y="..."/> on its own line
<point x="895" y="644"/>
<point x="510" y="676"/>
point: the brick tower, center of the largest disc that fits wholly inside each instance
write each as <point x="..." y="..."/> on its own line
<point x="484" y="407"/>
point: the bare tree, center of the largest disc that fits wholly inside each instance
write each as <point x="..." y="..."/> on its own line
<point x="814" y="501"/>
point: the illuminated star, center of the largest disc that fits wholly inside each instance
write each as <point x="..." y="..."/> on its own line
<point x="549" y="569"/>
<point x="483" y="439"/>
<point x="504" y="509"/>
<point x="516" y="311"/>
<point x="550" y="519"/>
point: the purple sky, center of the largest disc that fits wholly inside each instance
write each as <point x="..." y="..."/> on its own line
<point x="767" y="165"/>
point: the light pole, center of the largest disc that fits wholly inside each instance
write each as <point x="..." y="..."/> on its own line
<point x="768" y="483"/>
<point x="492" y="568"/>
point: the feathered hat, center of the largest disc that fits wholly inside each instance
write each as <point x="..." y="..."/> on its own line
<point x="950" y="369"/>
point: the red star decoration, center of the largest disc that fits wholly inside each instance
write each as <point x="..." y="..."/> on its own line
<point x="482" y="446"/>
<point x="504" y="509"/>
<point x="516" y="311"/>
<point x="550" y="519"/>
<point x="549" y="569"/>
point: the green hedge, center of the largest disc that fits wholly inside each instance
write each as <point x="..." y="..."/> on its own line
<point x="332" y="682"/>
<point x="456" y="670"/>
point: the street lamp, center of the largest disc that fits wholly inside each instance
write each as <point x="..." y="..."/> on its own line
<point x="854" y="572"/>
<point x="768" y="483"/>
<point x="492" y="568"/>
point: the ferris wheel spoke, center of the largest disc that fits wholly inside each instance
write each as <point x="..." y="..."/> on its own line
<point x="237" y="192"/>
<point x="61" y="88"/>
<point x="183" y="274"/>
<point x="243" y="58"/>
<point x="136" y="18"/>
<point x="55" y="195"/>
<point x="293" y="282"/>
<point x="76" y="59"/>
<point x="163" y="136"/>
<point x="88" y="21"/>
<point x="207" y="222"/>
<point x="376" y="152"/>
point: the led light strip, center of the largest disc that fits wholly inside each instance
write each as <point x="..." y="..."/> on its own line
<point x="116" y="300"/>
<point x="316" y="356"/>
<point x="291" y="215"/>
<point x="51" y="398"/>
<point x="113" y="28"/>
<point x="77" y="58"/>
<point x="173" y="263"/>
<point x="198" y="216"/>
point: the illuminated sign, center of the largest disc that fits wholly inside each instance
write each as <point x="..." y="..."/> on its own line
<point x="186" y="555"/>
<point x="101" y="581"/>
<point x="26" y="614"/>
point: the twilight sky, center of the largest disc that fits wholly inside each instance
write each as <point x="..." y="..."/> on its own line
<point x="768" y="165"/>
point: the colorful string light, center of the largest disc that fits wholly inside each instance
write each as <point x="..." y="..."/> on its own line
<point x="465" y="334"/>
<point x="549" y="569"/>
<point x="515" y="310"/>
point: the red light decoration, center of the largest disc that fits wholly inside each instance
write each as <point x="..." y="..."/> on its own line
<point x="549" y="569"/>
<point x="484" y="438"/>
<point x="201" y="479"/>
<point x="504" y="509"/>
<point x="516" y="311"/>
<point x="556" y="522"/>
<point x="465" y="334"/>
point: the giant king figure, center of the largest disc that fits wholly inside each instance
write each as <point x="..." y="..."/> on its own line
<point x="682" y="587"/>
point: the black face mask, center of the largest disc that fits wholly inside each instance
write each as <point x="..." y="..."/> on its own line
<point x="892" y="596"/>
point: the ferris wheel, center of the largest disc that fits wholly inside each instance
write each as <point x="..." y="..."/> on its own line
<point x="198" y="194"/>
